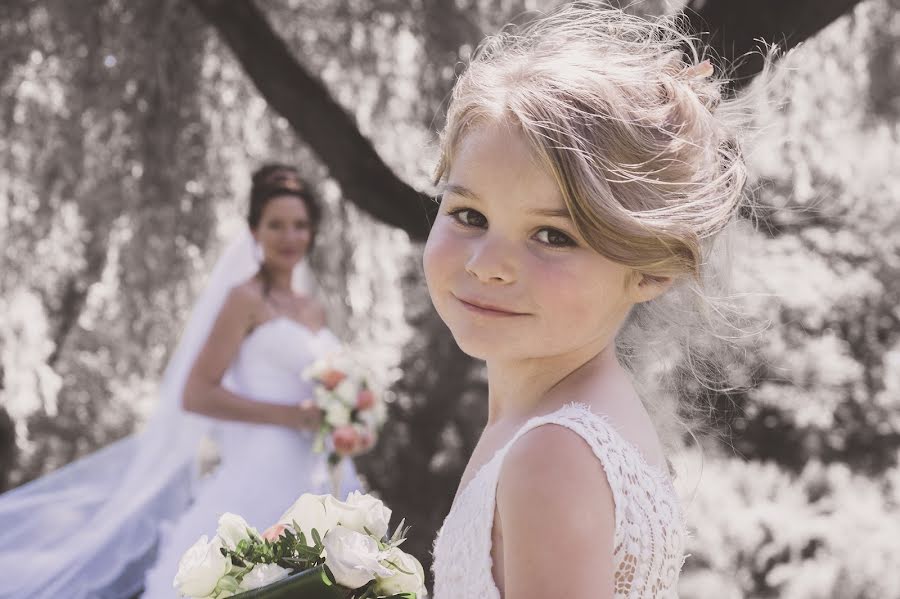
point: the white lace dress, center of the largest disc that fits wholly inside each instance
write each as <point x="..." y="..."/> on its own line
<point x="650" y="532"/>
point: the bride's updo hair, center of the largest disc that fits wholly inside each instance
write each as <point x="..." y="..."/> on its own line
<point x="646" y="149"/>
<point x="274" y="180"/>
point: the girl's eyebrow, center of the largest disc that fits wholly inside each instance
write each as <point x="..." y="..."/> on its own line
<point x="460" y="191"/>
<point x="465" y="192"/>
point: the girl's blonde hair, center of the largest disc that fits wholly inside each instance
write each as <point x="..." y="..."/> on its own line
<point x="646" y="149"/>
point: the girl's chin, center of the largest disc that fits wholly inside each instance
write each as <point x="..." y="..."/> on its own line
<point x="481" y="345"/>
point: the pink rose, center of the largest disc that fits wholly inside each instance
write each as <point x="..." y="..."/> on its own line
<point x="330" y="378"/>
<point x="273" y="532"/>
<point x="367" y="439"/>
<point x="365" y="400"/>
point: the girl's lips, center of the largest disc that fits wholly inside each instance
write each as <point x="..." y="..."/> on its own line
<point x="486" y="311"/>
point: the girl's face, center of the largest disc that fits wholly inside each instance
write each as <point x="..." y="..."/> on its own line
<point x="284" y="231"/>
<point x="503" y="238"/>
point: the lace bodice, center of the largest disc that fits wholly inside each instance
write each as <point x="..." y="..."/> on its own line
<point x="650" y="533"/>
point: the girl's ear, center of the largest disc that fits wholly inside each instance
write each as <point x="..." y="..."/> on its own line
<point x="646" y="287"/>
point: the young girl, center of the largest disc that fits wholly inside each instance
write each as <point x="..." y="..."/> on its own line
<point x="585" y="169"/>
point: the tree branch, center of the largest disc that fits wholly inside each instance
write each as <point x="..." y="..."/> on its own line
<point x="732" y="28"/>
<point x="318" y="119"/>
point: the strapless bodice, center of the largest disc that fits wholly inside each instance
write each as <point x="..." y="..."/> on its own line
<point x="272" y="357"/>
<point x="268" y="367"/>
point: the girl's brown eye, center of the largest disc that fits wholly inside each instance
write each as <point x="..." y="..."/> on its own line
<point x="465" y="220"/>
<point x="557" y="238"/>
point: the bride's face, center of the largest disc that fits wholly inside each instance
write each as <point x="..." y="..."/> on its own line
<point x="503" y="237"/>
<point x="284" y="231"/>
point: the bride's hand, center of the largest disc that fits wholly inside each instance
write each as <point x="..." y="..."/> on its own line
<point x="350" y="443"/>
<point x="309" y="415"/>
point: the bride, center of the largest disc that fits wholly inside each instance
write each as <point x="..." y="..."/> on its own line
<point x="120" y="519"/>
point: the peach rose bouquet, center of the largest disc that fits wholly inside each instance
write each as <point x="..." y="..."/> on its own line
<point x="353" y="411"/>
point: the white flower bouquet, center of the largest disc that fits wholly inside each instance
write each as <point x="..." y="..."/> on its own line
<point x="352" y="411"/>
<point x="319" y="548"/>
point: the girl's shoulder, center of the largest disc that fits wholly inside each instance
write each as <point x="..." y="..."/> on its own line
<point x="585" y="441"/>
<point x="551" y="451"/>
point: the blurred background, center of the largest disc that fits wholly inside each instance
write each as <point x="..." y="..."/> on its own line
<point x="128" y="132"/>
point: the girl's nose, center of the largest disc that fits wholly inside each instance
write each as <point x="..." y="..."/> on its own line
<point x="492" y="261"/>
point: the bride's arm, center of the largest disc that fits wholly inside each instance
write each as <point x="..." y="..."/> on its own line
<point x="203" y="391"/>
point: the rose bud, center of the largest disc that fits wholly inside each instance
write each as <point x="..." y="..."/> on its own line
<point x="365" y="400"/>
<point x="330" y="378"/>
<point x="346" y="439"/>
<point x="273" y="532"/>
<point x="367" y="439"/>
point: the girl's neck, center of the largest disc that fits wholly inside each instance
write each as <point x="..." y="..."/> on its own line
<point x="521" y="389"/>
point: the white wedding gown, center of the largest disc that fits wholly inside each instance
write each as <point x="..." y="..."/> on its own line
<point x="650" y="531"/>
<point x="263" y="468"/>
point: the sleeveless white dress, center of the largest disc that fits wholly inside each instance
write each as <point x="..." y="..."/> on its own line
<point x="263" y="468"/>
<point x="650" y="531"/>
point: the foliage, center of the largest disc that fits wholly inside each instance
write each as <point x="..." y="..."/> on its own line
<point x="760" y="531"/>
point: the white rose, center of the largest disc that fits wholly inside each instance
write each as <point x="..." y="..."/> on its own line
<point x="314" y="369"/>
<point x="262" y="575"/>
<point x="362" y="511"/>
<point x="233" y="529"/>
<point x="346" y="391"/>
<point x="337" y="414"/>
<point x="409" y="576"/>
<point x="311" y="511"/>
<point x="323" y="397"/>
<point x="201" y="567"/>
<point x="375" y="417"/>
<point x="353" y="557"/>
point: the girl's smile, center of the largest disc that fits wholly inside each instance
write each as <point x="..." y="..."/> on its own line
<point x="481" y="307"/>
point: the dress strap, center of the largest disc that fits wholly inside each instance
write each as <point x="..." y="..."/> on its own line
<point x="622" y="462"/>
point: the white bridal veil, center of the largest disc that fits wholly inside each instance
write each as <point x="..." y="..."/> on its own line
<point x="90" y="528"/>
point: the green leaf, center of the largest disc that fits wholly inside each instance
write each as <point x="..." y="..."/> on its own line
<point x="396" y="567"/>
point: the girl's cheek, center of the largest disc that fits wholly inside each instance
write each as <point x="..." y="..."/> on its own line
<point x="442" y="248"/>
<point x="563" y="288"/>
<point x="434" y="255"/>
